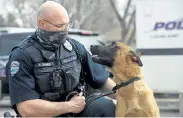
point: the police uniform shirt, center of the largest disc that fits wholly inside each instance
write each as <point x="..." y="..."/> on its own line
<point x="22" y="84"/>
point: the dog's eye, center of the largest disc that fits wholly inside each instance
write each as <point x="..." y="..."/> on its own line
<point x="113" y="43"/>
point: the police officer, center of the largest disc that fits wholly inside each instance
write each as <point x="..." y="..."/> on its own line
<point x="48" y="66"/>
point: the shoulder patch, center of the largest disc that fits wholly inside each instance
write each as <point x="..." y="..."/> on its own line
<point x="14" y="67"/>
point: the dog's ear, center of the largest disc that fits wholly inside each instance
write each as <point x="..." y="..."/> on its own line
<point x="135" y="58"/>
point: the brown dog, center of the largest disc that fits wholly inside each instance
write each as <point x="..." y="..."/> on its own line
<point x="135" y="99"/>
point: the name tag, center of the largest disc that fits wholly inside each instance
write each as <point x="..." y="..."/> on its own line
<point x="69" y="59"/>
<point x="44" y="64"/>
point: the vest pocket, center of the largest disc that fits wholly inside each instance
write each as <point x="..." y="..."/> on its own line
<point x="42" y="75"/>
<point x="71" y="80"/>
<point x="72" y="76"/>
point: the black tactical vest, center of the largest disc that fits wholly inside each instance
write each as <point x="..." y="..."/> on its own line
<point x="44" y="64"/>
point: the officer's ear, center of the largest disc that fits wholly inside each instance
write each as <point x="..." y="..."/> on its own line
<point x="41" y="24"/>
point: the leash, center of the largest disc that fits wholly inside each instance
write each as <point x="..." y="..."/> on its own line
<point x="95" y="96"/>
<point x="115" y="88"/>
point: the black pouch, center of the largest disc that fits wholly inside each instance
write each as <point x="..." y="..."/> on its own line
<point x="42" y="72"/>
<point x="71" y="80"/>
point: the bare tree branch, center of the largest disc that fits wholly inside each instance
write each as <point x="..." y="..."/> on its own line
<point x="91" y="15"/>
<point x="131" y="19"/>
<point x="93" y="9"/>
<point x="133" y="35"/>
<point x="125" y="29"/>
<point x="115" y="10"/>
<point x="130" y="34"/>
<point x="130" y="22"/>
<point x="127" y="9"/>
<point x="125" y="23"/>
<point x="122" y="20"/>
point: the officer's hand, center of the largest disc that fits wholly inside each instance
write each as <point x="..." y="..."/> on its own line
<point x="77" y="103"/>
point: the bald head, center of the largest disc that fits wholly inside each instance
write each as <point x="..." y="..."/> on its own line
<point x="53" y="12"/>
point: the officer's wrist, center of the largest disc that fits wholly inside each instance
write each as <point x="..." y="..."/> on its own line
<point x="63" y="108"/>
<point x="69" y="107"/>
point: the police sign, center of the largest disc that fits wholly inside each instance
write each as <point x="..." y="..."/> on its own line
<point x="159" y="31"/>
<point x="159" y="24"/>
<point x="171" y="25"/>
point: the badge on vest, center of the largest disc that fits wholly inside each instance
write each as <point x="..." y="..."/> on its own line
<point x="14" y="67"/>
<point x="68" y="46"/>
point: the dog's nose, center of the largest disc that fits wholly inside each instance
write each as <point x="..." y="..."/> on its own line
<point x="91" y="46"/>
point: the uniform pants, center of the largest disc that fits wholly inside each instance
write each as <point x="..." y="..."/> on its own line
<point x="101" y="107"/>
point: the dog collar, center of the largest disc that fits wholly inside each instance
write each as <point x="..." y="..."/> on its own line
<point x="123" y="84"/>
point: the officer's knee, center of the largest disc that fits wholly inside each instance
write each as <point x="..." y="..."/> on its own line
<point x="106" y="106"/>
<point x="101" y="107"/>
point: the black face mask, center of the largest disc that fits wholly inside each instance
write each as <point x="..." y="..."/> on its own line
<point x="51" y="39"/>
